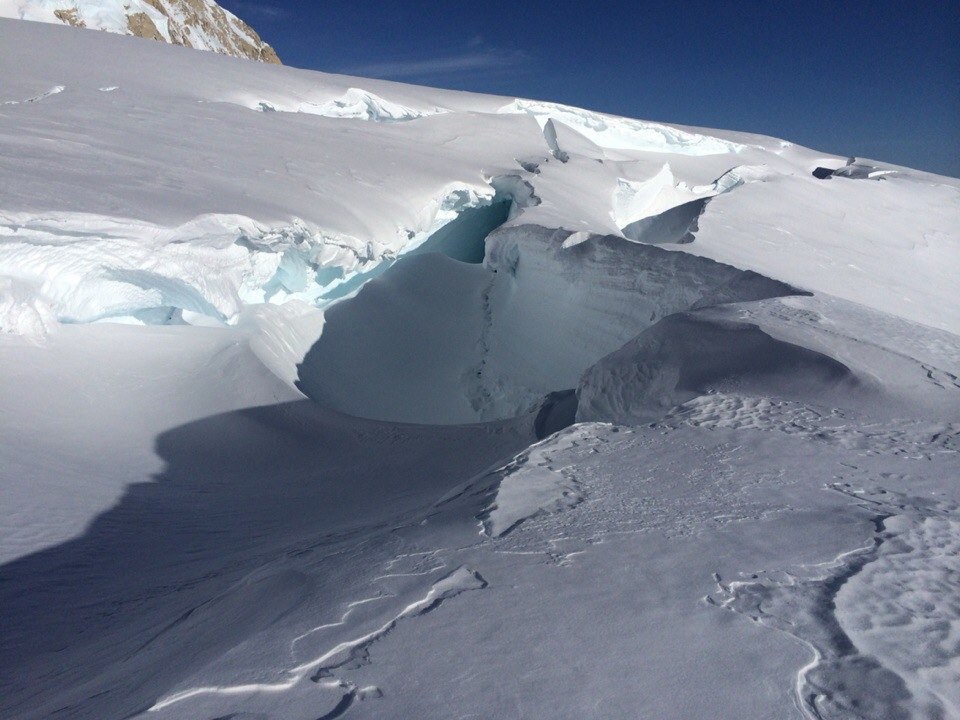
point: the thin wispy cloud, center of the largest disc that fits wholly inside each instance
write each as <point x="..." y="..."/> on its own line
<point x="248" y="9"/>
<point x="430" y="67"/>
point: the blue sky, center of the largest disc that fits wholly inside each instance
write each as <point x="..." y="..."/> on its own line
<point x="876" y="79"/>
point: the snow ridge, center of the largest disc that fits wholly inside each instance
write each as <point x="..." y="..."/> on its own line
<point x="363" y="105"/>
<point x="533" y="484"/>
<point x="320" y="669"/>
<point x="609" y="131"/>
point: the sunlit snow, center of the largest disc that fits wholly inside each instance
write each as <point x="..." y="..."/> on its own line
<point x="327" y="397"/>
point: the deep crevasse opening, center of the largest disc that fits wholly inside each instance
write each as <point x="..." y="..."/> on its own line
<point x="437" y="340"/>
<point x="461" y="239"/>
<point x="460" y="220"/>
<point x="78" y="268"/>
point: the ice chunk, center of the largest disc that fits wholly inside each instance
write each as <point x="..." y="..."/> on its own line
<point x="663" y="210"/>
<point x="22" y="311"/>
<point x="609" y="131"/>
<point x="362" y="105"/>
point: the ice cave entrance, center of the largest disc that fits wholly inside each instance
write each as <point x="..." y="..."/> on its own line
<point x="464" y="238"/>
<point x="460" y="239"/>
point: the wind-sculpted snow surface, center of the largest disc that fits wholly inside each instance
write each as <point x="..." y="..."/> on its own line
<point x="356" y="104"/>
<point x="346" y="653"/>
<point x="683" y="357"/>
<point x="919" y="440"/>
<point x="566" y="375"/>
<point x="882" y="620"/>
<point x="623" y="133"/>
<point x="532" y="484"/>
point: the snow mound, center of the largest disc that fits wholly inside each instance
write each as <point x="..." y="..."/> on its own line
<point x="608" y="131"/>
<point x="533" y="484"/>
<point x="200" y="24"/>
<point x="22" y="312"/>
<point x="684" y="356"/>
<point x="362" y="105"/>
<point x="663" y="210"/>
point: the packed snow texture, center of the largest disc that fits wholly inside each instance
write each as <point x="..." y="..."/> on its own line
<point x="684" y="357"/>
<point x="532" y="484"/>
<point x="425" y="401"/>
<point x="889" y="649"/>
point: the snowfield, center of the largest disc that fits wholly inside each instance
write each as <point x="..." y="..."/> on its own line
<point x="328" y="397"/>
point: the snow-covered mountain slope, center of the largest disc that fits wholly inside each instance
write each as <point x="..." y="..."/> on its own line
<point x="200" y="24"/>
<point x="328" y="397"/>
<point x="278" y="217"/>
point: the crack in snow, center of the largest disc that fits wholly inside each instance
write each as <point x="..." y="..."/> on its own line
<point x="454" y="583"/>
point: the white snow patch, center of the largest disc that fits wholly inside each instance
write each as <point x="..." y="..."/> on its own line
<point x="634" y="200"/>
<point x="22" y="312"/>
<point x="55" y="90"/>
<point x="362" y="105"/>
<point x="613" y="132"/>
<point x="533" y="484"/>
<point x="575" y="239"/>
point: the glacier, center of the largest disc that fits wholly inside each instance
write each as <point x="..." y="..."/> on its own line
<point x="326" y="397"/>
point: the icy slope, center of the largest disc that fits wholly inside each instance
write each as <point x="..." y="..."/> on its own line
<point x="438" y="341"/>
<point x="190" y="245"/>
<point x="285" y="209"/>
<point x="684" y="357"/>
<point x="200" y="24"/>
